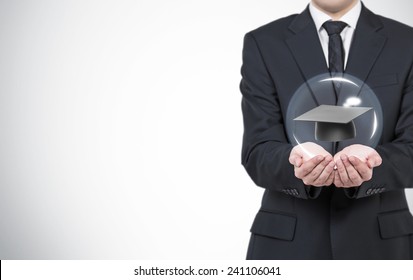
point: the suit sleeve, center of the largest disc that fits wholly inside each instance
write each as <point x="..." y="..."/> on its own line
<point x="265" y="149"/>
<point x="396" y="170"/>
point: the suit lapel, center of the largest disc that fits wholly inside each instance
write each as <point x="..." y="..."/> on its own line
<point x="366" y="46"/>
<point x="306" y="49"/>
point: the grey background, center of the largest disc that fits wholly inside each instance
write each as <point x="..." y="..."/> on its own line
<point x="121" y="127"/>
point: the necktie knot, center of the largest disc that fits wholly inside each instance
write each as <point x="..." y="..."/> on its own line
<point x="334" y="27"/>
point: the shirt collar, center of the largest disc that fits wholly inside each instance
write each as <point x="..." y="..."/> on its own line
<point x="351" y="17"/>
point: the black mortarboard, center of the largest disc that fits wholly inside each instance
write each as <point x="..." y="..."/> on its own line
<point x="333" y="123"/>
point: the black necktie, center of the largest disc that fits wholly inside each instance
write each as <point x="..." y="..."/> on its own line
<point x="335" y="46"/>
<point x="335" y="56"/>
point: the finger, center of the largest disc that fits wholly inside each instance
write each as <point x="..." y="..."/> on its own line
<point x="374" y="160"/>
<point x="312" y="177"/>
<point x="353" y="175"/>
<point x="293" y="157"/>
<point x="337" y="180"/>
<point x="337" y="156"/>
<point x="325" y="178"/>
<point x="330" y="179"/>
<point x="298" y="161"/>
<point x="362" y="168"/>
<point x="295" y="160"/>
<point x="308" y="166"/>
<point x="342" y="173"/>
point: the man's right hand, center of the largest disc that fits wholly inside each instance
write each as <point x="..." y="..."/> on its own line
<point x="312" y="164"/>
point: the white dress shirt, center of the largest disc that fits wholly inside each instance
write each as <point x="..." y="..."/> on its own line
<point x="351" y="18"/>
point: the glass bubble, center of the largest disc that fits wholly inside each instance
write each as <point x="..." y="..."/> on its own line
<point x="344" y="91"/>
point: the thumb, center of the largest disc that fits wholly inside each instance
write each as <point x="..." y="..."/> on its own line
<point x="295" y="160"/>
<point x="374" y="161"/>
<point x="298" y="162"/>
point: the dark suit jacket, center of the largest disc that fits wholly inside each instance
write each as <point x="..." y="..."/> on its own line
<point x="303" y="222"/>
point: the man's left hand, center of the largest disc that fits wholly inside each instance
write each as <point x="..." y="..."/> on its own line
<point x="355" y="165"/>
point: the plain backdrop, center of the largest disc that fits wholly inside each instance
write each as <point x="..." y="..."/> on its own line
<point x="121" y="127"/>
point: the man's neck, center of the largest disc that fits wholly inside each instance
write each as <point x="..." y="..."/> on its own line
<point x="336" y="15"/>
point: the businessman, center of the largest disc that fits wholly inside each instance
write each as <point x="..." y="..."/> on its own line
<point x="345" y="203"/>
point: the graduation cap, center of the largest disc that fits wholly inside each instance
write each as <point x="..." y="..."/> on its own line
<point x="333" y="123"/>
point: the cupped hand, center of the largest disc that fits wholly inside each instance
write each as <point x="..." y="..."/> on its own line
<point x="355" y="165"/>
<point x="312" y="164"/>
<point x="364" y="153"/>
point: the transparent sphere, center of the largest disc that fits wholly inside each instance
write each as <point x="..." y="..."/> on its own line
<point x="328" y="110"/>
